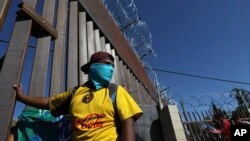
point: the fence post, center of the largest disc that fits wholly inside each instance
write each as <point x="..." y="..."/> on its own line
<point x="171" y="124"/>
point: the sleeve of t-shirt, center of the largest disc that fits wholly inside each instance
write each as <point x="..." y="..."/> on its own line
<point x="126" y="105"/>
<point x="59" y="104"/>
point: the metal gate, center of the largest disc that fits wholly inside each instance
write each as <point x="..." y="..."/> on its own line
<point x="198" y="118"/>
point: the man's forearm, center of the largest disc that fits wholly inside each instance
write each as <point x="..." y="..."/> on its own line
<point x="38" y="102"/>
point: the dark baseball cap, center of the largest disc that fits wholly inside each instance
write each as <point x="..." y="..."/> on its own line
<point x="98" y="56"/>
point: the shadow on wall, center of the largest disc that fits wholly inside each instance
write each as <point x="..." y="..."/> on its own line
<point x="1" y="62"/>
<point x="156" y="131"/>
<point x="138" y="137"/>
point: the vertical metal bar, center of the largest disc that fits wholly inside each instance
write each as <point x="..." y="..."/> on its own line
<point x="115" y="74"/>
<point x="198" y="124"/>
<point x="203" y="115"/>
<point x="184" y="127"/>
<point x="58" y="67"/>
<point x="12" y="70"/>
<point x="107" y="45"/>
<point x="202" y="125"/>
<point x="108" y="49"/>
<point x="72" y="67"/>
<point x="229" y="113"/>
<point x="41" y="60"/>
<point x="97" y="40"/>
<point x="90" y="38"/>
<point x="4" y="7"/>
<point x="208" y="115"/>
<point x="119" y="69"/>
<point x="83" y="50"/>
<point x="211" y="114"/>
<point x="189" y="128"/>
<point x="102" y="43"/>
<point x="193" y="127"/>
<point x="241" y="113"/>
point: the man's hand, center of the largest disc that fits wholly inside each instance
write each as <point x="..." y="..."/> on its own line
<point x="19" y="91"/>
<point x="38" y="102"/>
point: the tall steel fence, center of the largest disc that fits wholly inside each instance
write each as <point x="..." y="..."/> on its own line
<point x="199" y="116"/>
<point x="56" y="37"/>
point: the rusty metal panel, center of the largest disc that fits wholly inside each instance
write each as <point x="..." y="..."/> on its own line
<point x="131" y="84"/>
<point x="83" y="55"/>
<point x="134" y="90"/>
<point x="40" y="27"/>
<point x="119" y="69"/>
<point x="4" y="7"/>
<point x="58" y="67"/>
<point x="41" y="60"/>
<point x="123" y="75"/>
<point x="147" y="98"/>
<point x="11" y="71"/>
<point x="104" y="21"/>
<point x="72" y="78"/>
<point x="90" y="38"/>
<point x="127" y="75"/>
<point x="140" y="91"/>
<point x="137" y="92"/>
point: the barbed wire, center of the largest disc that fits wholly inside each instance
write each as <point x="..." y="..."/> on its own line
<point x="223" y="101"/>
<point x="135" y="30"/>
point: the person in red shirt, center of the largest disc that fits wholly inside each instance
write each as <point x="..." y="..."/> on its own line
<point x="224" y="125"/>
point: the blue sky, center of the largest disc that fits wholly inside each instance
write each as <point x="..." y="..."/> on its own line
<point x="201" y="37"/>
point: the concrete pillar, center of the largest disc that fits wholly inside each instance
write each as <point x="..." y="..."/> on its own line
<point x="172" y="127"/>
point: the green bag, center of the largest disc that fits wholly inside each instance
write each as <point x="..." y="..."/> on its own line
<point x="37" y="125"/>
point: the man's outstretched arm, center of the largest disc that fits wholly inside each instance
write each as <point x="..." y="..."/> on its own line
<point x="37" y="102"/>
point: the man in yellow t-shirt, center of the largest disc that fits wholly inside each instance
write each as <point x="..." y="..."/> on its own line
<point x="91" y="109"/>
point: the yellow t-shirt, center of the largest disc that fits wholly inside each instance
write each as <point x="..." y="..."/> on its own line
<point x="92" y="112"/>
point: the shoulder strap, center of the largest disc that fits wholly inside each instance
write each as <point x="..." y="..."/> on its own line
<point x="74" y="91"/>
<point x="113" y="93"/>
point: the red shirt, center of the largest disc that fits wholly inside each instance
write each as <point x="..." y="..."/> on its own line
<point x="226" y="129"/>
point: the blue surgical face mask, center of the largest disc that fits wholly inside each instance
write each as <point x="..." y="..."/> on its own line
<point x="100" y="74"/>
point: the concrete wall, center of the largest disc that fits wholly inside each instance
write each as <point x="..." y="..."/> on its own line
<point x="171" y="124"/>
<point x="148" y="127"/>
